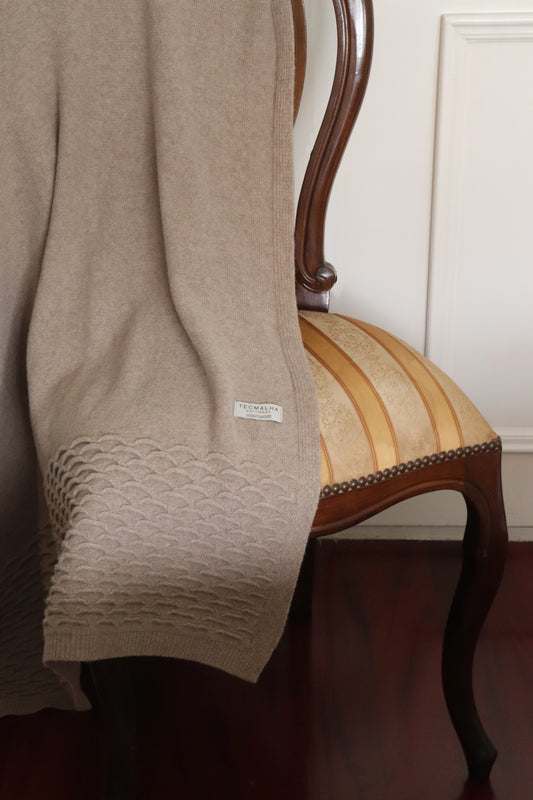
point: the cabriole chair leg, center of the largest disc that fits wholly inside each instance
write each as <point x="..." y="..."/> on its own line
<point x="484" y="551"/>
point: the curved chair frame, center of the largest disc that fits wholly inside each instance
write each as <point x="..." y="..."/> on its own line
<point x="475" y="472"/>
<point x="355" y="28"/>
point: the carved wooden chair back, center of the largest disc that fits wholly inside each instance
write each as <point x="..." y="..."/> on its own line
<point x="412" y="430"/>
<point x="355" y="32"/>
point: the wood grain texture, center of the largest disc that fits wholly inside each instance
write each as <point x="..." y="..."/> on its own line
<point x="349" y="708"/>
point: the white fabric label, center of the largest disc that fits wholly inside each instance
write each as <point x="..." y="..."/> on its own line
<point x="265" y="412"/>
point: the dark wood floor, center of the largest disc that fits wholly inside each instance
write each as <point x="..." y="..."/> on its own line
<point x="349" y="709"/>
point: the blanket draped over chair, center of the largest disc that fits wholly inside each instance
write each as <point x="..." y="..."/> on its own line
<point x="147" y="263"/>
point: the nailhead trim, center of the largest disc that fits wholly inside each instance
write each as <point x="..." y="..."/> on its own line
<point x="419" y="463"/>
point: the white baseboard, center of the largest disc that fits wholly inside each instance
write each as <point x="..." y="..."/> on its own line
<point x="440" y="533"/>
<point x="516" y="440"/>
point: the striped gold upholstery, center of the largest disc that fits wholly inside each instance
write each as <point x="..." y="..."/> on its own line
<point x="382" y="404"/>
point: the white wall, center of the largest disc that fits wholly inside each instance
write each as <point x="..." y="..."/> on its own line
<point x="430" y="224"/>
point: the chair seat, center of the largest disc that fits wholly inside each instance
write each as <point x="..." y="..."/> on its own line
<point x="384" y="408"/>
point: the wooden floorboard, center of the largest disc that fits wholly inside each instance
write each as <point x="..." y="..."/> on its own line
<point x="349" y="708"/>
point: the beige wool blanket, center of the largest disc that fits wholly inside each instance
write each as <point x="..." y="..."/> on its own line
<point x="154" y="384"/>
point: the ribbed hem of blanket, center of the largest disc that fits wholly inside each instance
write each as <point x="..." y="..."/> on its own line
<point x="96" y="645"/>
<point x="31" y="705"/>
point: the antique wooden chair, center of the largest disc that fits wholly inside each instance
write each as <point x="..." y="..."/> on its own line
<point x="392" y="425"/>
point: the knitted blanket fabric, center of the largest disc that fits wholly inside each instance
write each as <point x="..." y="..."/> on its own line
<point x="146" y="225"/>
